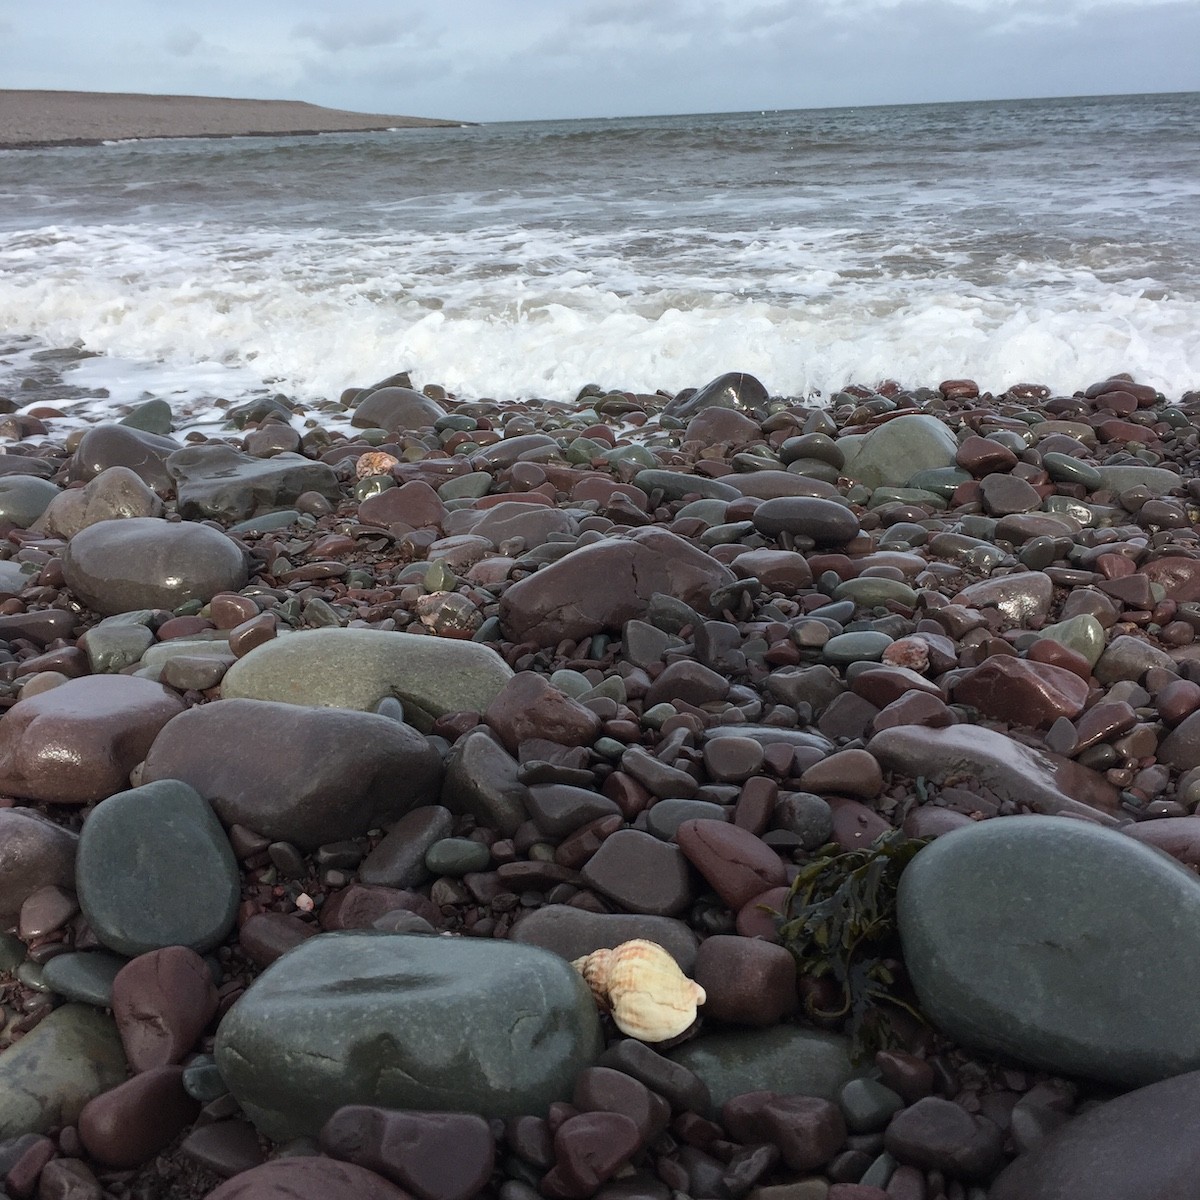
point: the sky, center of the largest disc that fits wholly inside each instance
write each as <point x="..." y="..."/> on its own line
<point x="497" y="60"/>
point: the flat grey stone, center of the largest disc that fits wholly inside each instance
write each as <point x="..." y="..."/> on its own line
<point x="48" y="1076"/>
<point x="1033" y="938"/>
<point x="574" y="932"/>
<point x="481" y="779"/>
<point x="155" y="869"/>
<point x="86" y="976"/>
<point x="357" y="668"/>
<point x="784" y="1059"/>
<point x="406" y="1021"/>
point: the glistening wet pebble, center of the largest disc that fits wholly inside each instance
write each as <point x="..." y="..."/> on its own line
<point x="453" y="693"/>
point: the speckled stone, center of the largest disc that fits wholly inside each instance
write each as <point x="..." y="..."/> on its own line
<point x="357" y="668"/>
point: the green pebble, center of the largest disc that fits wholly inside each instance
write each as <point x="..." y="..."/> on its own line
<point x="457" y="857"/>
<point x="863" y="646"/>
<point x="1064" y="468"/>
<point x="869" y="591"/>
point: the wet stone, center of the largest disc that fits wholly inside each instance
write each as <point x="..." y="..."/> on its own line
<point x="827" y="522"/>
<point x="79" y="741"/>
<point x="937" y="1134"/>
<point x="589" y="1149"/>
<point x="147" y="562"/>
<point x="116" y="492"/>
<point x="34" y="853"/>
<point x="735" y="863"/>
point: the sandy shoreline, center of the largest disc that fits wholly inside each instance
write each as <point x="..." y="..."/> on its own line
<point x="29" y="119"/>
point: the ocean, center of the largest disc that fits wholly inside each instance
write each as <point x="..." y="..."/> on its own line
<point x="1047" y="241"/>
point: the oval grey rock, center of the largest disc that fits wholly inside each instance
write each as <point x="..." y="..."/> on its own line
<point x="136" y="852"/>
<point x="827" y="522"/>
<point x="147" y="562"/>
<point x="1029" y="937"/>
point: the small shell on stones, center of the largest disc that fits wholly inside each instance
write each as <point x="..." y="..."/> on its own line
<point x="448" y="614"/>
<point x="649" y="997"/>
<point x="375" y="462"/>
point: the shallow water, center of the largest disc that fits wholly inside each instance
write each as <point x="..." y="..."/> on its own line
<point x="1052" y="241"/>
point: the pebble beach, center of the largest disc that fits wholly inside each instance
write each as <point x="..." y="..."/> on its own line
<point x="334" y="734"/>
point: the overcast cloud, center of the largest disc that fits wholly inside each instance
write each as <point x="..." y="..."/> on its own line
<point x="491" y="60"/>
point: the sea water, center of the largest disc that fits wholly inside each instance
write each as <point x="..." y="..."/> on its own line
<point x="1050" y="241"/>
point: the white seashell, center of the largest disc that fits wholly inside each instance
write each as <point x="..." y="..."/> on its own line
<point x="650" y="998"/>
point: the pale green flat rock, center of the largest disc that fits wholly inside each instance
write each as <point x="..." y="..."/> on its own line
<point x="357" y="668"/>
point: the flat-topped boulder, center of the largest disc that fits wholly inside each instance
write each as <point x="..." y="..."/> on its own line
<point x="220" y="482"/>
<point x="296" y="774"/>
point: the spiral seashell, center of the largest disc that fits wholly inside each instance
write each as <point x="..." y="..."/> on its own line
<point x="650" y="998"/>
<point x="375" y="462"/>
<point x="594" y="969"/>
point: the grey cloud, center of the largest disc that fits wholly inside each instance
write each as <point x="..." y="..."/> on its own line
<point x="336" y="36"/>
<point x="183" y="42"/>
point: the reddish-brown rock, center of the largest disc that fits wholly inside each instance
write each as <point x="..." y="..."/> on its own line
<point x="135" y="1120"/>
<point x="602" y="585"/>
<point x="530" y="706"/>
<point x="736" y="864"/>
<point x="1022" y="692"/>
<point x="161" y="1002"/>
<point x="78" y="742"/>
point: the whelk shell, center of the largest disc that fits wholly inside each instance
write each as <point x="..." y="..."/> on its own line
<point x="649" y="997"/>
<point x="375" y="462"/>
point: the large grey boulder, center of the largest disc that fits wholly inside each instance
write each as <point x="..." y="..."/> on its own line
<point x="406" y="1021"/>
<point x="898" y="449"/>
<point x="1058" y="943"/>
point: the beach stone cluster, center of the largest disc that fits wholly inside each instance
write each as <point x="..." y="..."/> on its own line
<point x="332" y="738"/>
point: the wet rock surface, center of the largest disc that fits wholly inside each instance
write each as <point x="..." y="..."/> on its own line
<point x="480" y="683"/>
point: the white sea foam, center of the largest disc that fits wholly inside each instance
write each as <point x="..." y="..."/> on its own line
<point x="511" y="313"/>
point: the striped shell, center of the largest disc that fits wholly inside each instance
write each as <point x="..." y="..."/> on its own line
<point x="649" y="997"/>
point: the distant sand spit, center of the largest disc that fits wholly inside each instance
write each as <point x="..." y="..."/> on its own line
<point x="45" y="118"/>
